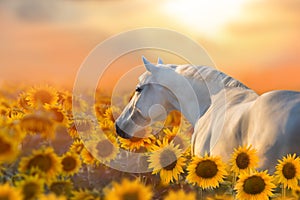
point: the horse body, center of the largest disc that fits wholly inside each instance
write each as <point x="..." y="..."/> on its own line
<point x="273" y="125"/>
<point x="270" y="123"/>
<point x="224" y="112"/>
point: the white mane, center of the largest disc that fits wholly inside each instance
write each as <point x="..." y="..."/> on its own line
<point x="209" y="74"/>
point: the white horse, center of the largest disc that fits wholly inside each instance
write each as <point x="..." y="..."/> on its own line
<point x="224" y="112"/>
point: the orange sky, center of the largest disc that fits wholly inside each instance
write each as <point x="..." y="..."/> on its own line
<point x="47" y="42"/>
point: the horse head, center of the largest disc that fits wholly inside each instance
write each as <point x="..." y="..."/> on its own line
<point x="151" y="101"/>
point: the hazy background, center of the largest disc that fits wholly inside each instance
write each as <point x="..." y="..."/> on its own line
<point x="257" y="42"/>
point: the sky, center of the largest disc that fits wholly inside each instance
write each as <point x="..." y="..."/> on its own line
<point x="256" y="42"/>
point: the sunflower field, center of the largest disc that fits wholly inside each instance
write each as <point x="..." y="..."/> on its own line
<point x="48" y="153"/>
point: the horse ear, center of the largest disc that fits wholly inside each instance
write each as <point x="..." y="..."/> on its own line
<point x="149" y="66"/>
<point x="159" y="61"/>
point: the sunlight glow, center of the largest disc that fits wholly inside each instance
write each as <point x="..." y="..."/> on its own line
<point x="205" y="16"/>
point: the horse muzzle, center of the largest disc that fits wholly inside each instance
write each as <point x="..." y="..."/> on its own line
<point x="122" y="133"/>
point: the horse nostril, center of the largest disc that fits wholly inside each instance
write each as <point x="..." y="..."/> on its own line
<point x="122" y="133"/>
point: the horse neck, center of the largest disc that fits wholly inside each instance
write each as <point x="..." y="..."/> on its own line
<point x="209" y="93"/>
<point x="191" y="103"/>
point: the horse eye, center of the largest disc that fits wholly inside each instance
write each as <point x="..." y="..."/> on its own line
<point x="138" y="89"/>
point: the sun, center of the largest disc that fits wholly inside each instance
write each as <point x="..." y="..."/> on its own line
<point x="207" y="17"/>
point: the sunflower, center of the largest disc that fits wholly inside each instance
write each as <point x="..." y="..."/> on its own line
<point x="253" y="186"/>
<point x="206" y="172"/>
<point x="166" y="160"/>
<point x="177" y="137"/>
<point x="296" y="192"/>
<point x="111" y="112"/>
<point x="52" y="196"/>
<point x="15" y="113"/>
<point x="5" y="102"/>
<point x="105" y="150"/>
<point x="77" y="146"/>
<point x="243" y="159"/>
<point x="38" y="122"/>
<point x="41" y="95"/>
<point x="71" y="163"/>
<point x="108" y="127"/>
<point x="84" y="194"/>
<point x="9" y="193"/>
<point x="23" y="102"/>
<point x="45" y="160"/>
<point x="69" y="101"/>
<point x="180" y="194"/>
<point x="8" y="147"/>
<point x="84" y="123"/>
<point x="87" y="157"/>
<point x="31" y="187"/>
<point x="61" y="187"/>
<point x="128" y="190"/>
<point x="173" y="119"/>
<point x="141" y="139"/>
<point x="57" y="114"/>
<point x="3" y="110"/>
<point x="72" y="130"/>
<point x="288" y="171"/>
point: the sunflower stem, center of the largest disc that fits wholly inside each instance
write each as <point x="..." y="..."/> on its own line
<point x="200" y="192"/>
<point x="233" y="182"/>
<point x="283" y="191"/>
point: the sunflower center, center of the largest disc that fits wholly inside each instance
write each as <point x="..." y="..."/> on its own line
<point x="61" y="188"/>
<point x="43" y="162"/>
<point x="242" y="160"/>
<point x="69" y="163"/>
<point x="4" y="146"/>
<point x="30" y="190"/>
<point x="168" y="159"/>
<point x="207" y="169"/>
<point x="130" y="196"/>
<point x="254" y="185"/>
<point x="105" y="148"/>
<point x="43" y="96"/>
<point x="289" y="171"/>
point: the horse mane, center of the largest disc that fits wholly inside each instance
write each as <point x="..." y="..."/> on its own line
<point x="207" y="73"/>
